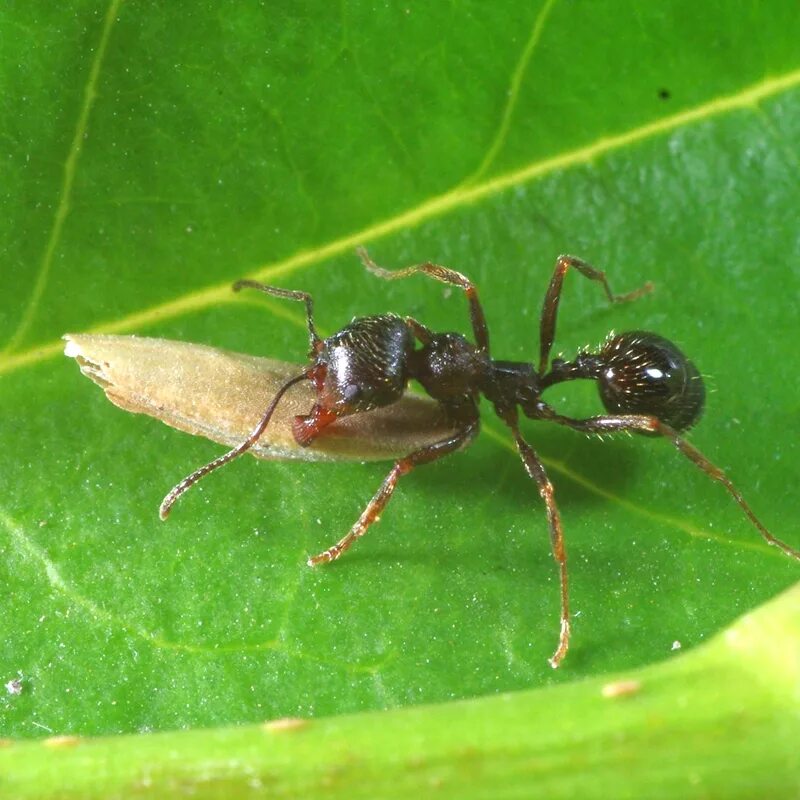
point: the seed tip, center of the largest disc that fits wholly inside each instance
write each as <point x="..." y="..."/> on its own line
<point x="71" y="348"/>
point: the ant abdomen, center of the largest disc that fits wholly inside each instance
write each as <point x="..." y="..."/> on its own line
<point x="643" y="373"/>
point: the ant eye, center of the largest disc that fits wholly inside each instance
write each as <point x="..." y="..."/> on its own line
<point x="643" y="373"/>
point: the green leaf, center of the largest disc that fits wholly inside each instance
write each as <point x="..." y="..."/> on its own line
<point x="574" y="740"/>
<point x="155" y="154"/>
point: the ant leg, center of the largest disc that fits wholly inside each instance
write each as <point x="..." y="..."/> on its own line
<point x="423" y="334"/>
<point x="547" y="325"/>
<point x="314" y="341"/>
<point x="402" y="467"/>
<point x="191" y="480"/>
<point x="649" y="424"/>
<point x="536" y="471"/>
<point x="444" y="275"/>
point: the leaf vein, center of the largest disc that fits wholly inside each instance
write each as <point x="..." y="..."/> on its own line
<point x="70" y="168"/>
<point x="32" y="552"/>
<point x="437" y="206"/>
<point x="517" y="76"/>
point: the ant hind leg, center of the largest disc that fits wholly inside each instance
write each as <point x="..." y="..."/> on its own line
<point x="547" y="325"/>
<point x="649" y="424"/>
<point x="536" y="471"/>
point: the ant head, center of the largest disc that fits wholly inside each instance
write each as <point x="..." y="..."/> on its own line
<point x="642" y="373"/>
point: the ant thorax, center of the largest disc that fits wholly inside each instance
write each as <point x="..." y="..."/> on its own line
<point x="449" y="367"/>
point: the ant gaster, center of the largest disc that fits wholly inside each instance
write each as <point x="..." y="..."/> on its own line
<point x="646" y="384"/>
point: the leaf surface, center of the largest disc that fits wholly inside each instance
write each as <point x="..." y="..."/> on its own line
<point x="156" y="155"/>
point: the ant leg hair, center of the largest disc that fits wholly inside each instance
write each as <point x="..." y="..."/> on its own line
<point x="444" y="275"/>
<point x="314" y="341"/>
<point x="535" y="469"/>
<point x="191" y="480"/>
<point x="402" y="467"/>
<point x="648" y="424"/>
<point x="547" y="325"/>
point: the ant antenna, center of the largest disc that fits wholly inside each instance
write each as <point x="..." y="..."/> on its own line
<point x="191" y="480"/>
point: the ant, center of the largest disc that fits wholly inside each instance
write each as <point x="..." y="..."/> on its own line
<point x="646" y="384"/>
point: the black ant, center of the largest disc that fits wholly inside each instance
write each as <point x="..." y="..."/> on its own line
<point x="646" y="384"/>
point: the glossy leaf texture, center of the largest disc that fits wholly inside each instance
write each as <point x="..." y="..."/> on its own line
<point x="154" y="154"/>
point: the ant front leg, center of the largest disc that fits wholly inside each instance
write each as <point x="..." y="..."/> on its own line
<point x="536" y="471"/>
<point x="547" y="325"/>
<point x="649" y="424"/>
<point x="372" y="512"/>
<point x="444" y="275"/>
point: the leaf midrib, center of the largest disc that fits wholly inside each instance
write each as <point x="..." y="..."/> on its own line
<point x="438" y="206"/>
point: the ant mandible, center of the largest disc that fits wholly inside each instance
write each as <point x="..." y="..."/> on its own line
<point x="646" y="384"/>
